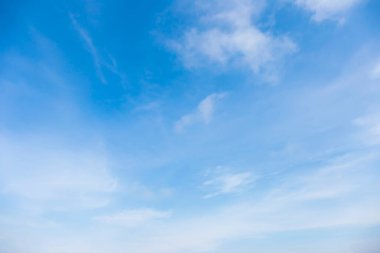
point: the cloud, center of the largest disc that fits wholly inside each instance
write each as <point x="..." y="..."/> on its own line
<point x="370" y="128"/>
<point x="276" y="209"/>
<point x="45" y="176"/>
<point x="203" y="113"/>
<point x="287" y="206"/>
<point x="133" y="218"/>
<point x="327" y="9"/>
<point x="42" y="167"/>
<point x="223" y="181"/>
<point x="99" y="61"/>
<point x="226" y="35"/>
<point x="336" y="179"/>
<point x="375" y="73"/>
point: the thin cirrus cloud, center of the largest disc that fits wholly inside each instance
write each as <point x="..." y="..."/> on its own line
<point x="99" y="61"/>
<point x="39" y="170"/>
<point x="286" y="207"/>
<point x="327" y="9"/>
<point x="202" y="114"/>
<point x="371" y="128"/>
<point x="226" y="35"/>
<point x="279" y="210"/>
<point x="343" y="179"/>
<point x="223" y="181"/>
<point x="45" y="176"/>
<point x="134" y="217"/>
<point x="375" y="72"/>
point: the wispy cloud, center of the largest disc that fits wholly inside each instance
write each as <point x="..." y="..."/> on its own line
<point x="337" y="179"/>
<point x="202" y="114"/>
<point x="274" y="211"/>
<point x="99" y="61"/>
<point x="226" y="35"/>
<point x="134" y="217"/>
<point x="330" y="9"/>
<point x="42" y="176"/>
<point x="287" y="206"/>
<point x="224" y="181"/>
<point x="375" y="71"/>
<point x="370" y="128"/>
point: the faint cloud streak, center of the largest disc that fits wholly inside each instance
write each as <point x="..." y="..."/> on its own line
<point x="134" y="217"/>
<point x="224" y="181"/>
<point x="202" y="114"/>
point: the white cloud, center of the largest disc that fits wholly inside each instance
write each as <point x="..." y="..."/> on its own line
<point x="134" y="217"/>
<point x="274" y="210"/>
<point x="338" y="178"/>
<point x="99" y="61"/>
<point x="203" y="113"/>
<point x="288" y="206"/>
<point x="90" y="47"/>
<point x="370" y="128"/>
<point x="222" y="181"/>
<point x="327" y="9"/>
<point x="226" y="35"/>
<point x="375" y="73"/>
<point x="43" y="175"/>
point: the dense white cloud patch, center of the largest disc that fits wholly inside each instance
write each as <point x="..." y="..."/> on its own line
<point x="227" y="35"/>
<point x="327" y="9"/>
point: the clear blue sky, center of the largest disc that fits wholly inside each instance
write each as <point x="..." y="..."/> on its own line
<point x="190" y="126"/>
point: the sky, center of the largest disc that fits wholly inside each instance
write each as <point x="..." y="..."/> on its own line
<point x="186" y="126"/>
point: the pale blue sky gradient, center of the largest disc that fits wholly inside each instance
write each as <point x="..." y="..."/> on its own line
<point x="190" y="126"/>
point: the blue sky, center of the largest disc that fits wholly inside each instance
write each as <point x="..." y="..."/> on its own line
<point x="190" y="126"/>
